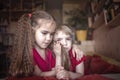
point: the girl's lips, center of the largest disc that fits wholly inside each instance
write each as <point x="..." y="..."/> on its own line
<point x="47" y="43"/>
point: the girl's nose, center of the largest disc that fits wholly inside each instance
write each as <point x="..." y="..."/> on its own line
<point x="64" y="42"/>
<point x="48" y="37"/>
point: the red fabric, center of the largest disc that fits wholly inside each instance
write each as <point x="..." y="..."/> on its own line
<point x="112" y="69"/>
<point x="44" y="65"/>
<point x="98" y="65"/>
<point x="50" y="78"/>
<point x="87" y="65"/>
<point x="87" y="77"/>
<point x="94" y="77"/>
<point x="32" y="78"/>
<point x="75" y="62"/>
<point x="26" y="78"/>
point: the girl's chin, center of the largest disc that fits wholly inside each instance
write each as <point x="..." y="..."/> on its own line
<point x="44" y="47"/>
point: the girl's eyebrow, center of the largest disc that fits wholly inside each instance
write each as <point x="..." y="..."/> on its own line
<point x="45" y="31"/>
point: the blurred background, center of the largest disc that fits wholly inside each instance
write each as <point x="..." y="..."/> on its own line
<point x="96" y="24"/>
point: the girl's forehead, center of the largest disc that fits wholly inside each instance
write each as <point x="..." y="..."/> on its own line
<point x="46" y="23"/>
<point x="61" y="34"/>
<point x="47" y="27"/>
<point x="40" y="21"/>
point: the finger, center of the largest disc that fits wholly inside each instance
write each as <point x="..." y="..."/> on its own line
<point x="61" y="75"/>
<point x="80" y="55"/>
<point x="73" y="52"/>
<point x="77" y="55"/>
<point x="61" y="67"/>
<point x="58" y="75"/>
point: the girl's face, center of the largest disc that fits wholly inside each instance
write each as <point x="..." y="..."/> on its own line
<point x="44" y="34"/>
<point x="64" y="39"/>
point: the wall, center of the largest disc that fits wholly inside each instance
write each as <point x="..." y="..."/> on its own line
<point x="54" y="7"/>
<point x="66" y="8"/>
<point x="70" y="5"/>
<point x="107" y="41"/>
<point x="87" y="46"/>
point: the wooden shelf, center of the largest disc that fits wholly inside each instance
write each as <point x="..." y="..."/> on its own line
<point x="107" y="17"/>
<point x="19" y="7"/>
<point x="111" y="24"/>
<point x="99" y="6"/>
<point x="99" y="21"/>
<point x="2" y="52"/>
<point x="6" y="33"/>
<point x="114" y="22"/>
<point x="21" y="10"/>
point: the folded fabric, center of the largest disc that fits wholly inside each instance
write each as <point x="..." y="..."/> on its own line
<point x="96" y="65"/>
<point x="25" y="78"/>
<point x="94" y="77"/>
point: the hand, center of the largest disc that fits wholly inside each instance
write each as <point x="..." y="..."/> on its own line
<point x="58" y="68"/>
<point x="62" y="74"/>
<point x="77" y="51"/>
<point x="57" y="48"/>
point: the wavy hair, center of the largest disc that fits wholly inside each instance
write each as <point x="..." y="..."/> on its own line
<point x="21" y="58"/>
<point x="22" y="54"/>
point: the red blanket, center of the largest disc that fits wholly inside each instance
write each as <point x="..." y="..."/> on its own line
<point x="96" y="65"/>
<point x="94" y="77"/>
<point x="86" y="77"/>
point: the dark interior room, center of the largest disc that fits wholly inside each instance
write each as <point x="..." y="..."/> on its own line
<point x="96" y="24"/>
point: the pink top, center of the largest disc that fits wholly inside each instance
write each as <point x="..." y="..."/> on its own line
<point x="75" y="62"/>
<point x="44" y="65"/>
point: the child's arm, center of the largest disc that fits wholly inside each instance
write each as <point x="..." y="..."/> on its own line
<point x="64" y="74"/>
<point x="38" y="72"/>
<point x="57" y="52"/>
<point x="79" y="71"/>
<point x="77" y="51"/>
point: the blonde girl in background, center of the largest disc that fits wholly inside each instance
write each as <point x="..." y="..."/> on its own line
<point x="31" y="54"/>
<point x="68" y="67"/>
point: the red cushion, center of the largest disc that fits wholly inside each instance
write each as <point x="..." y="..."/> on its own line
<point x="94" y="77"/>
<point x="50" y="78"/>
<point x="98" y="65"/>
<point x="25" y="78"/>
<point x="87" y="64"/>
<point x="112" y="69"/>
<point x="32" y="78"/>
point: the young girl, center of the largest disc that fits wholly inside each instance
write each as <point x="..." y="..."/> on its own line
<point x="31" y="55"/>
<point x="62" y="48"/>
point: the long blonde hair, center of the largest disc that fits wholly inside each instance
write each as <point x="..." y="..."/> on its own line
<point x="22" y="56"/>
<point x="66" y="63"/>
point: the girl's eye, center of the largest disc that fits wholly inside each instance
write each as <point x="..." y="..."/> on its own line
<point x="44" y="33"/>
<point x="69" y="39"/>
<point x="59" y="39"/>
